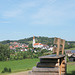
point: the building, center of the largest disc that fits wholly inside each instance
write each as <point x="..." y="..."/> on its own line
<point x="36" y="45"/>
<point x="50" y="49"/>
<point x="39" y="45"/>
<point x="14" y="45"/>
<point x="70" y="54"/>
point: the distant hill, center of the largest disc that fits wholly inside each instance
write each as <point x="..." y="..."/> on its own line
<point x="43" y="40"/>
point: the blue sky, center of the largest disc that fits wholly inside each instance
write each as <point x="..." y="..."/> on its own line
<point x="24" y="18"/>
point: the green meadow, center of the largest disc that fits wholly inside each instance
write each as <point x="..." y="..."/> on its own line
<point x="71" y="68"/>
<point x="70" y="49"/>
<point x="18" y="65"/>
<point x="27" y="64"/>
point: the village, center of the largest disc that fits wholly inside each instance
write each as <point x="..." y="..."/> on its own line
<point x="24" y="47"/>
<point x="37" y="47"/>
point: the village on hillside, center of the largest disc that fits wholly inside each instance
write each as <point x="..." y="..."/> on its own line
<point x="38" y="47"/>
<point x="24" y="47"/>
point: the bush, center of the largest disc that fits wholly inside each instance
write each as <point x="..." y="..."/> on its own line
<point x="2" y="72"/>
<point x="35" y="56"/>
<point x="11" y="57"/>
<point x="9" y="69"/>
<point x="16" y="58"/>
<point x="5" y="69"/>
<point x="67" y="59"/>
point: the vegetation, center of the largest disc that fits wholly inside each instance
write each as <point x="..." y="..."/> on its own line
<point x="28" y="54"/>
<point x="27" y="64"/>
<point x="71" y="68"/>
<point x="17" y="66"/>
<point x="6" y="70"/>
<point x="68" y="46"/>
<point x="70" y="49"/>
<point x="43" y="40"/>
<point x="7" y="54"/>
<point x="4" y="52"/>
<point x="25" y="59"/>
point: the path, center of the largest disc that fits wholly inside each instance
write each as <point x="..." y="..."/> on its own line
<point x="20" y="73"/>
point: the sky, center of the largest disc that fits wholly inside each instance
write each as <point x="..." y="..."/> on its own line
<point x="21" y="19"/>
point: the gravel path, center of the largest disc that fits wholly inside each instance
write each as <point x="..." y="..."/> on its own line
<point x="20" y="73"/>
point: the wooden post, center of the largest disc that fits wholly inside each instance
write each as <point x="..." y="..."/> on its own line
<point x="59" y="66"/>
<point x="58" y="46"/>
<point x="63" y="44"/>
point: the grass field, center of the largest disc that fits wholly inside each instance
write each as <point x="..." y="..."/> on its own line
<point x="27" y="64"/>
<point x="70" y="49"/>
<point x="18" y="65"/>
<point x="71" y="68"/>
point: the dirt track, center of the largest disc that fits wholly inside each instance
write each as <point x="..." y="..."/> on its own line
<point x="20" y="73"/>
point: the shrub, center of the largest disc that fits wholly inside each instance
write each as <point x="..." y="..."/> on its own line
<point x="67" y="59"/>
<point x="11" y="57"/>
<point x="3" y="72"/>
<point x="5" y="69"/>
<point x="35" y="55"/>
<point x="16" y="58"/>
<point x="9" y="69"/>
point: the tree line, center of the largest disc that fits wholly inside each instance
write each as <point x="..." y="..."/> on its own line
<point x="44" y="40"/>
<point x="7" y="54"/>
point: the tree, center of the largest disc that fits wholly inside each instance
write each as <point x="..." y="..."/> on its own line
<point x="4" y="52"/>
<point x="30" y="46"/>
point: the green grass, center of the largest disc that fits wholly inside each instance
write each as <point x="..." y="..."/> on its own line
<point x="27" y="64"/>
<point x="18" y="65"/>
<point x="30" y="42"/>
<point x="71" y="68"/>
<point x="70" y="49"/>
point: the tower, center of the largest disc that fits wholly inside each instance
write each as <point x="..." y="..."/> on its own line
<point x="33" y="40"/>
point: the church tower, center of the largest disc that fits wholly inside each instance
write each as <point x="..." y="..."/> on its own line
<point x="33" y="41"/>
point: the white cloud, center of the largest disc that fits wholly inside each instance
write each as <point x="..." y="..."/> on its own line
<point x="51" y="0"/>
<point x="46" y="1"/>
<point x="53" y="14"/>
<point x="18" y="10"/>
<point x="41" y="12"/>
<point x="5" y="22"/>
<point x="47" y="15"/>
<point x="12" y="13"/>
<point x="27" y="5"/>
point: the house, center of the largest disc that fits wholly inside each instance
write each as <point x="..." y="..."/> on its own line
<point x="72" y="58"/>
<point x="22" y="50"/>
<point x="70" y="54"/>
<point x="14" y="45"/>
<point x="50" y="49"/>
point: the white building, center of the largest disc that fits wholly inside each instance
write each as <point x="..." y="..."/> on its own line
<point x="42" y="46"/>
<point x="51" y="49"/>
<point x="37" y="45"/>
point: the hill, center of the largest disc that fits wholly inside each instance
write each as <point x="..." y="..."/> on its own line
<point x="43" y="40"/>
